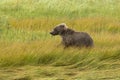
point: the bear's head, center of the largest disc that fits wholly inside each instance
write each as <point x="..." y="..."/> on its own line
<point x="59" y="29"/>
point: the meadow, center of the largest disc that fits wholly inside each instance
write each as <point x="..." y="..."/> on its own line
<point x="29" y="52"/>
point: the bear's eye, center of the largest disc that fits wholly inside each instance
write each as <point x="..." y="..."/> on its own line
<point x="55" y="29"/>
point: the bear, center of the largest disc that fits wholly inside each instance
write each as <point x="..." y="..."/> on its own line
<point x="71" y="37"/>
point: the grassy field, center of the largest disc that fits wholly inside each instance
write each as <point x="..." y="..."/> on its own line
<point x="29" y="52"/>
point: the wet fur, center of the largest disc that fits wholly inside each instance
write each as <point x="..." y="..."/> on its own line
<point x="73" y="38"/>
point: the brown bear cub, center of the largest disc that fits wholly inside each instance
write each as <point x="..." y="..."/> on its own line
<point x="71" y="37"/>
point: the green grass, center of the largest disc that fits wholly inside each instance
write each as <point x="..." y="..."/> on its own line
<point x="29" y="52"/>
<point x="63" y="8"/>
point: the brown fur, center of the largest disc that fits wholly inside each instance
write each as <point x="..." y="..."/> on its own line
<point x="71" y="37"/>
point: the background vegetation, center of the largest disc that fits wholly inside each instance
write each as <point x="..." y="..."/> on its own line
<point x="29" y="52"/>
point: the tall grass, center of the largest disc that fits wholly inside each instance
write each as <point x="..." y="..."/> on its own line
<point x="25" y="26"/>
<point x="62" y="8"/>
<point x="24" y="45"/>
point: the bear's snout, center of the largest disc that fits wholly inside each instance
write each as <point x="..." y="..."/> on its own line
<point x="53" y="33"/>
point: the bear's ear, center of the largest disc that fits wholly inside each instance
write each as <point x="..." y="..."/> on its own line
<point x="63" y="25"/>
